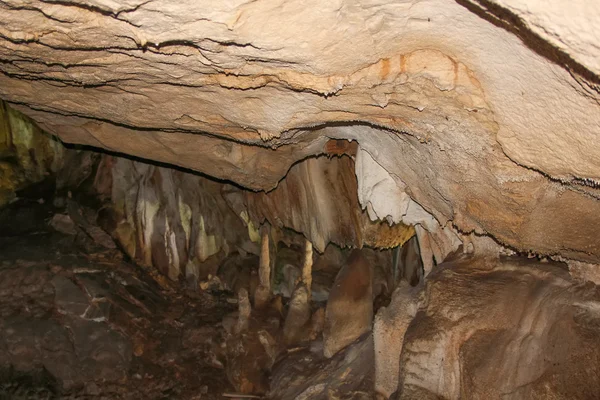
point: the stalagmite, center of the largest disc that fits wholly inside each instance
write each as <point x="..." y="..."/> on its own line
<point x="388" y="335"/>
<point x="296" y="323"/>
<point x="307" y="267"/>
<point x="213" y="138"/>
<point x="263" y="291"/>
<point x="295" y="327"/>
<point x="244" y="310"/>
<point x="349" y="311"/>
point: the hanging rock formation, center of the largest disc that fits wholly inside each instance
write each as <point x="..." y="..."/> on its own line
<point x="185" y="224"/>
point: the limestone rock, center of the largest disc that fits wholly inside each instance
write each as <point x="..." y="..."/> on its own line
<point x="349" y="312"/>
<point x="249" y="357"/>
<point x="244" y="310"/>
<point x="64" y="224"/>
<point x="408" y="264"/>
<point x="502" y="327"/>
<point x="262" y="294"/>
<point x="165" y="218"/>
<point x="64" y="327"/>
<point x="584" y="272"/>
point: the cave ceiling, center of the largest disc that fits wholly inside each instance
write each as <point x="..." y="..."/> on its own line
<point x="486" y="113"/>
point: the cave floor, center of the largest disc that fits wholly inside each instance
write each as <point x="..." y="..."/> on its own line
<point x="78" y="321"/>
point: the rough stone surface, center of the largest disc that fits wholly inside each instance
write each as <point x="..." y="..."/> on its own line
<point x="185" y="224"/>
<point x="567" y="29"/>
<point x="508" y="327"/>
<point x="87" y="323"/>
<point x="483" y="112"/>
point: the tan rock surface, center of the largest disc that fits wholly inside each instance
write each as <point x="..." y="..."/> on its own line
<point x="477" y="125"/>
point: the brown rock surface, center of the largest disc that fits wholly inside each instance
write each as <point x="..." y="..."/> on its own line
<point x="389" y="329"/>
<point x="78" y="322"/>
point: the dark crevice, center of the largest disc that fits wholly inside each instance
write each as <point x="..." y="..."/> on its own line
<point x="64" y="48"/>
<point x="575" y="183"/>
<point x="349" y="123"/>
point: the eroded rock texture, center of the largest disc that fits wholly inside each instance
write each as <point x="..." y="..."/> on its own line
<point x="80" y="321"/>
<point x="307" y="375"/>
<point x="465" y="119"/>
<point x="509" y="328"/>
<point x="484" y="112"/>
